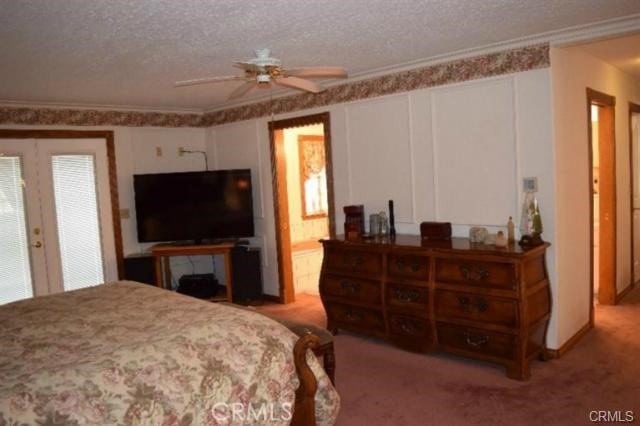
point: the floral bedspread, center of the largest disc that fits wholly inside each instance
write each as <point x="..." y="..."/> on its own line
<point x="128" y="353"/>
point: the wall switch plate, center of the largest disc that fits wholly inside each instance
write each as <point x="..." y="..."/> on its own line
<point x="125" y="214"/>
<point x="158" y="151"/>
<point x="530" y="184"/>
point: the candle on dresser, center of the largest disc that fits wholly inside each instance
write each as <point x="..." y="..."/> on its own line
<point x="392" y="221"/>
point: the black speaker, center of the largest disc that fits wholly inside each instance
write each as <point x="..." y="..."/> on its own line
<point x="141" y="268"/>
<point x="202" y="286"/>
<point x="247" y="275"/>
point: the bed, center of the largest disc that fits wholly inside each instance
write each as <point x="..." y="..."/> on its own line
<point x="129" y="353"/>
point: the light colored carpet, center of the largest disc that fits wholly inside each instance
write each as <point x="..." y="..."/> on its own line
<point x="382" y="385"/>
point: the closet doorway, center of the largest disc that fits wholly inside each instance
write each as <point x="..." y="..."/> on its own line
<point x="602" y="181"/>
<point x="57" y="224"/>
<point x="303" y="200"/>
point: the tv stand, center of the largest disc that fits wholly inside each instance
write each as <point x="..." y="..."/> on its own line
<point x="162" y="252"/>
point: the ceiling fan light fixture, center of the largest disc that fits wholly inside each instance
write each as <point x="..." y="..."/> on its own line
<point x="264" y="71"/>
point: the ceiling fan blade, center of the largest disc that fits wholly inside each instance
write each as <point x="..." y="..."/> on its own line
<point x="312" y="72"/>
<point x="299" y="83"/>
<point x="243" y="90"/>
<point x="208" y="80"/>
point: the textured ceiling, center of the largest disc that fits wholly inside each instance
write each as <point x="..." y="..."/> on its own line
<point x="622" y="52"/>
<point x="129" y="52"/>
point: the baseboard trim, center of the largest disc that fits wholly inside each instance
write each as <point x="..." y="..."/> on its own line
<point x="557" y="353"/>
<point x="624" y="292"/>
<point x="271" y="298"/>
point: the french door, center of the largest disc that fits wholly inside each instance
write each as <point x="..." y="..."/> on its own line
<point x="56" y="227"/>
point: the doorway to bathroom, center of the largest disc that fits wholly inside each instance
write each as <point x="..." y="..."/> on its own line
<point x="602" y="171"/>
<point x="303" y="200"/>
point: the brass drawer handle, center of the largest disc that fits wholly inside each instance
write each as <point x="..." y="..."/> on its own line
<point x="400" y="264"/>
<point x="476" y="341"/>
<point x="479" y="305"/>
<point x="410" y="327"/>
<point x="349" y="287"/>
<point x="406" y="295"/>
<point x="353" y="315"/>
<point x="474" y="273"/>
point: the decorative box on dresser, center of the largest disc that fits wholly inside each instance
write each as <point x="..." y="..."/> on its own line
<point x="456" y="296"/>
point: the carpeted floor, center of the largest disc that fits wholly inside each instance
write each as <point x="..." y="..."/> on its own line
<point x="382" y="385"/>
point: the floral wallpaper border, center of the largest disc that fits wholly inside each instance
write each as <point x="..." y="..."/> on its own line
<point x="488" y="65"/>
<point x="90" y="117"/>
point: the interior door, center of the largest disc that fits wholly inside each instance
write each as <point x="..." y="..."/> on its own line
<point x="68" y="226"/>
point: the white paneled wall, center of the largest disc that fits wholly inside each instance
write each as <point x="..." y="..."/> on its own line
<point x="379" y="155"/>
<point x="474" y="151"/>
<point x="244" y="145"/>
<point x="452" y="153"/>
<point x="137" y="154"/>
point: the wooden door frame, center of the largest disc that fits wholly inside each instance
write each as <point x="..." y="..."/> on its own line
<point x="107" y="135"/>
<point x="595" y="97"/>
<point x="280" y="199"/>
<point x="633" y="109"/>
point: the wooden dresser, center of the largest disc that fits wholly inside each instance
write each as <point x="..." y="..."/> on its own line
<point x="468" y="299"/>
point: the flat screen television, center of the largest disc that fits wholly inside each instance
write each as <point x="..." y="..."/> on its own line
<point x="194" y="205"/>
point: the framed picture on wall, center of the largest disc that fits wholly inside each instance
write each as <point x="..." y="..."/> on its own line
<point x="313" y="176"/>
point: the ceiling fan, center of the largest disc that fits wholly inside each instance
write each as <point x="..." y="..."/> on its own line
<point x="263" y="71"/>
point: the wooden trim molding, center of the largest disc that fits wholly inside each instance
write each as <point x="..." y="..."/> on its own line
<point x="281" y="212"/>
<point x="608" y="102"/>
<point x="633" y="109"/>
<point x="113" y="176"/>
<point x="557" y="353"/>
<point x="508" y="61"/>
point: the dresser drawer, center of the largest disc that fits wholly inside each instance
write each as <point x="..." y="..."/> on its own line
<point x="408" y="326"/>
<point x="406" y="296"/>
<point x="356" y="318"/>
<point x="473" y="272"/>
<point x="473" y="307"/>
<point x="354" y="261"/>
<point x="364" y="291"/>
<point x="408" y="266"/>
<point x="410" y="332"/>
<point x="474" y="340"/>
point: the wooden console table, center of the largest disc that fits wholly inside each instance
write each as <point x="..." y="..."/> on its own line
<point x="165" y="251"/>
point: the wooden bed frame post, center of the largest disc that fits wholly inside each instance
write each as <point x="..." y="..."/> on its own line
<point x="304" y="412"/>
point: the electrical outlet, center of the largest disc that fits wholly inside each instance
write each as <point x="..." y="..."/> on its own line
<point x="530" y="184"/>
<point x="124" y="214"/>
<point x="158" y="151"/>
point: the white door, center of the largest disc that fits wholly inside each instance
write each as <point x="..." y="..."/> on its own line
<point x="56" y="225"/>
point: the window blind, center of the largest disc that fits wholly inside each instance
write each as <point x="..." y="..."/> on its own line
<point x="15" y="268"/>
<point x="78" y="221"/>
